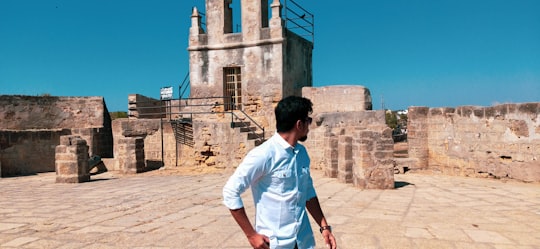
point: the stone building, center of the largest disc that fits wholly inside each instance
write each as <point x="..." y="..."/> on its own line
<point x="252" y="69"/>
<point x="31" y="126"/>
<point x="236" y="78"/>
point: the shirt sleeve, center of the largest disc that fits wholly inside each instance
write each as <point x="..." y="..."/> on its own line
<point x="252" y="168"/>
<point x="311" y="190"/>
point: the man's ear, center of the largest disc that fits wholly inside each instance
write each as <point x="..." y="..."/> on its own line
<point x="298" y="124"/>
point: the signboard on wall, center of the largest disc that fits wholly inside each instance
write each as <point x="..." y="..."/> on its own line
<point x="166" y="93"/>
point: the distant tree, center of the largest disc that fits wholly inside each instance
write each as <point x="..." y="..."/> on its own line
<point x="116" y="115"/>
<point x="391" y="119"/>
<point x="402" y="120"/>
<point x="395" y="119"/>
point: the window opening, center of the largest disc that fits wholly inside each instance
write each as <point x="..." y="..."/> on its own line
<point x="232" y="16"/>
<point x="233" y="88"/>
<point x="265" y="9"/>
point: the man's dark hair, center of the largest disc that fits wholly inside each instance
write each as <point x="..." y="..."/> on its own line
<point x="291" y="109"/>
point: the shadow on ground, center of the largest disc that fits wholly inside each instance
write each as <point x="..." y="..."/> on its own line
<point x="401" y="184"/>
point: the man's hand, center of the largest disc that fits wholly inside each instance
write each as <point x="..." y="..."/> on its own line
<point x="329" y="239"/>
<point x="259" y="241"/>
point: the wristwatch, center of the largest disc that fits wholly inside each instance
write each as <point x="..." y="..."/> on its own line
<point x="329" y="228"/>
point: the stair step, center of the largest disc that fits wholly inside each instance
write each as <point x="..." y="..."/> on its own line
<point x="252" y="136"/>
<point x="182" y="121"/>
<point x="240" y="124"/>
<point x="248" y="129"/>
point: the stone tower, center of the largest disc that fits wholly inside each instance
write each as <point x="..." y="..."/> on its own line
<point x="251" y="69"/>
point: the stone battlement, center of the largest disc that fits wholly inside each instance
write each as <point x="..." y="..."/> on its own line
<point x="500" y="141"/>
<point x="20" y="112"/>
<point x="31" y="127"/>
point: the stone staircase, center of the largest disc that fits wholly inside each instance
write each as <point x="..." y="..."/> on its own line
<point x="252" y="132"/>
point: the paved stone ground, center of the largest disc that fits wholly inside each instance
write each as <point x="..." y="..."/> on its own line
<point x="169" y="210"/>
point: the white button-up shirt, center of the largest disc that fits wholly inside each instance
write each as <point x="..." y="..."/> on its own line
<point x="281" y="185"/>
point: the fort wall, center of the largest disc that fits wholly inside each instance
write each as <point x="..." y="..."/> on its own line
<point x="347" y="141"/>
<point x="28" y="152"/>
<point x="31" y="126"/>
<point x="501" y="141"/>
<point x="339" y="98"/>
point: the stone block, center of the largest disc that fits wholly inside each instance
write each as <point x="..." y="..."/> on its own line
<point x="331" y="172"/>
<point x="383" y="154"/>
<point x="131" y="155"/>
<point x="416" y="112"/>
<point x="66" y="157"/>
<point x="66" y="168"/>
<point x="519" y="128"/>
<point x="528" y="172"/>
<point x="60" y="150"/>
<point x="72" y="166"/>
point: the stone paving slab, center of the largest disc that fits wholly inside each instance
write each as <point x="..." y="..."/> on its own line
<point x="170" y="210"/>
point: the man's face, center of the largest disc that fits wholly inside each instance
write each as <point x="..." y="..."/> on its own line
<point x="307" y="121"/>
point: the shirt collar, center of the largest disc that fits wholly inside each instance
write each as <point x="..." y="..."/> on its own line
<point x="284" y="143"/>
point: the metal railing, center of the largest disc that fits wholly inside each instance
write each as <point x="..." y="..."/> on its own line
<point x="184" y="109"/>
<point x="259" y="136"/>
<point x="299" y="20"/>
<point x="182" y="88"/>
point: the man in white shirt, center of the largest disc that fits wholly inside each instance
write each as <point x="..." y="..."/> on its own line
<point x="278" y="173"/>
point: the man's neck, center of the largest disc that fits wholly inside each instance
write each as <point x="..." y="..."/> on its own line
<point x="290" y="137"/>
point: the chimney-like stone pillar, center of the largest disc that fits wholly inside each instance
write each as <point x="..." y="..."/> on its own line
<point x="374" y="164"/>
<point x="276" y="22"/>
<point x="71" y="160"/>
<point x="345" y="159"/>
<point x="331" y="155"/>
<point x="196" y="28"/>
<point x="130" y="154"/>
<point x="417" y="136"/>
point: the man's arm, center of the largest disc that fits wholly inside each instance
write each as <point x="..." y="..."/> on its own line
<point x="255" y="239"/>
<point x="316" y="212"/>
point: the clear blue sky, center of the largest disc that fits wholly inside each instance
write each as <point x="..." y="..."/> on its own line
<point x="407" y="52"/>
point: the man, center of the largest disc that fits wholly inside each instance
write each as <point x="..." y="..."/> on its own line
<point x="278" y="173"/>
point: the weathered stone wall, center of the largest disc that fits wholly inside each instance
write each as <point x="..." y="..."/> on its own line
<point x="28" y="152"/>
<point x="501" y="141"/>
<point x="143" y="107"/>
<point x="373" y="152"/>
<point x="31" y="126"/>
<point x="297" y="65"/>
<point x="50" y="112"/>
<point x="150" y="131"/>
<point x="100" y="140"/>
<point x="349" y="141"/>
<point x="338" y="123"/>
<point x="356" y="147"/>
<point x="210" y="141"/>
<point x="219" y="145"/>
<point x="338" y="98"/>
